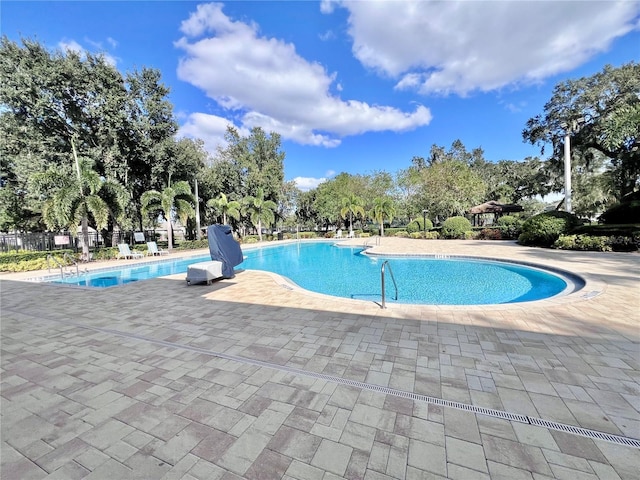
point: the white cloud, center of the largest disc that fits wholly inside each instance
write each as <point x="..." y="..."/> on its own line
<point x="308" y="183"/>
<point x="73" y="46"/>
<point x="208" y="128"/>
<point x="465" y="46"/>
<point x="265" y="82"/>
<point x="326" y="36"/>
<point x="110" y="59"/>
<point x="327" y="6"/>
<point x="70" y="46"/>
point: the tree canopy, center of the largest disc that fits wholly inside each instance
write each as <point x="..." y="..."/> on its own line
<point x="602" y="115"/>
<point x="123" y="125"/>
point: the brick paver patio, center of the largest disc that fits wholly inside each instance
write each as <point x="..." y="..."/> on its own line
<point x="253" y="378"/>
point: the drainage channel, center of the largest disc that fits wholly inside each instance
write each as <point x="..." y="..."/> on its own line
<point x="514" y="417"/>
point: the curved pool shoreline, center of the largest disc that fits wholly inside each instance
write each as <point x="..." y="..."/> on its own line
<point x="508" y="250"/>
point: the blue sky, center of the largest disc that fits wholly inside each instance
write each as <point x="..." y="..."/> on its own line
<point x="350" y="86"/>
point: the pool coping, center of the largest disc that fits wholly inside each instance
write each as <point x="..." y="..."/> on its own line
<point x="591" y="288"/>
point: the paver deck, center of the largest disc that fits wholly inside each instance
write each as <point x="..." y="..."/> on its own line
<point x="254" y="378"/>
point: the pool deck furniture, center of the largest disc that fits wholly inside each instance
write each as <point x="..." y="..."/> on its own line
<point x="157" y="380"/>
<point x="204" y="272"/>
<point x="125" y="252"/>
<point x="153" y="250"/>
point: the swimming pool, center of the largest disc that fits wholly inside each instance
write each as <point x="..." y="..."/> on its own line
<point x="349" y="272"/>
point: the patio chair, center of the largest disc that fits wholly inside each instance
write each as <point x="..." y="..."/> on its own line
<point x="125" y="252"/>
<point x="152" y="249"/>
<point x="339" y="233"/>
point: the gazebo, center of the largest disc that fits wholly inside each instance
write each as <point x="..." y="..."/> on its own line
<point x="498" y="209"/>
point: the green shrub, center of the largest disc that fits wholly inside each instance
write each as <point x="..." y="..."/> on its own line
<point x="392" y="231"/>
<point x="625" y="244"/>
<point x="26" y="255"/>
<point x="456" y="227"/>
<point x="609" y="230"/>
<point x="106" y="253"/>
<point x="27" y="260"/>
<point x="544" y="229"/>
<point x="583" y="242"/>
<point x="250" y="239"/>
<point x="417" y="226"/>
<point x="191" y="244"/>
<point x="489" y="234"/>
<point x="401" y="234"/>
<point x="425" y="235"/>
<point x="625" y="212"/>
<point x="308" y="235"/>
<point x="510" y="227"/>
<point x="28" y="265"/>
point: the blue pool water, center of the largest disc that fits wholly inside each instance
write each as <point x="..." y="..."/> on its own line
<point x="347" y="272"/>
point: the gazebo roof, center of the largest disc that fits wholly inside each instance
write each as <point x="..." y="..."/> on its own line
<point x="495" y="207"/>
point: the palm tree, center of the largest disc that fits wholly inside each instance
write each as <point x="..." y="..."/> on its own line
<point x="172" y="201"/>
<point x="76" y="198"/>
<point x="225" y="207"/>
<point x="351" y="205"/>
<point x="383" y="208"/>
<point x="259" y="210"/>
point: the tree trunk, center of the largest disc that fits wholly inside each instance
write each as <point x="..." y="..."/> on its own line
<point x="169" y="234"/>
<point x="260" y="230"/>
<point x="85" y="238"/>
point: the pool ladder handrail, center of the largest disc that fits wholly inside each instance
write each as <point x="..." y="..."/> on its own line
<point x="67" y="258"/>
<point x="393" y="278"/>
<point x="375" y="237"/>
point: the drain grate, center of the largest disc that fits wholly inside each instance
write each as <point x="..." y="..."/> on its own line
<point x="585" y="432"/>
<point x="514" y="417"/>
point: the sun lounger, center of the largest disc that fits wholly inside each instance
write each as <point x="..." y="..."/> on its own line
<point x="204" y="272"/>
<point x="125" y="252"/>
<point x="152" y="249"/>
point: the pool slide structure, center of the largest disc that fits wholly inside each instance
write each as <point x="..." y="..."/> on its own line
<point x="225" y="255"/>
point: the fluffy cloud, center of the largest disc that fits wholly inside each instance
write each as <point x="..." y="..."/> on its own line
<point x="461" y="47"/>
<point x="73" y="46"/>
<point x="264" y="82"/>
<point x="308" y="183"/>
<point x="70" y="46"/>
<point x="208" y="128"/>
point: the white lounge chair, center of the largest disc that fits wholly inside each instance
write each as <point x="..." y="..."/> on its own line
<point x="125" y="252"/>
<point x="152" y="249"/>
<point x="339" y="233"/>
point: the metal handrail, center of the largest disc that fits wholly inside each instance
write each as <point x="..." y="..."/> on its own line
<point x="51" y="258"/>
<point x="393" y="278"/>
<point x="67" y="258"/>
<point x="375" y="237"/>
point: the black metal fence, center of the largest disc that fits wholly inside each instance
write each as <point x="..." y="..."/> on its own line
<point x="48" y="241"/>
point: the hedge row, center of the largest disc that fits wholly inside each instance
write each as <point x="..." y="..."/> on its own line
<point x="597" y="243"/>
